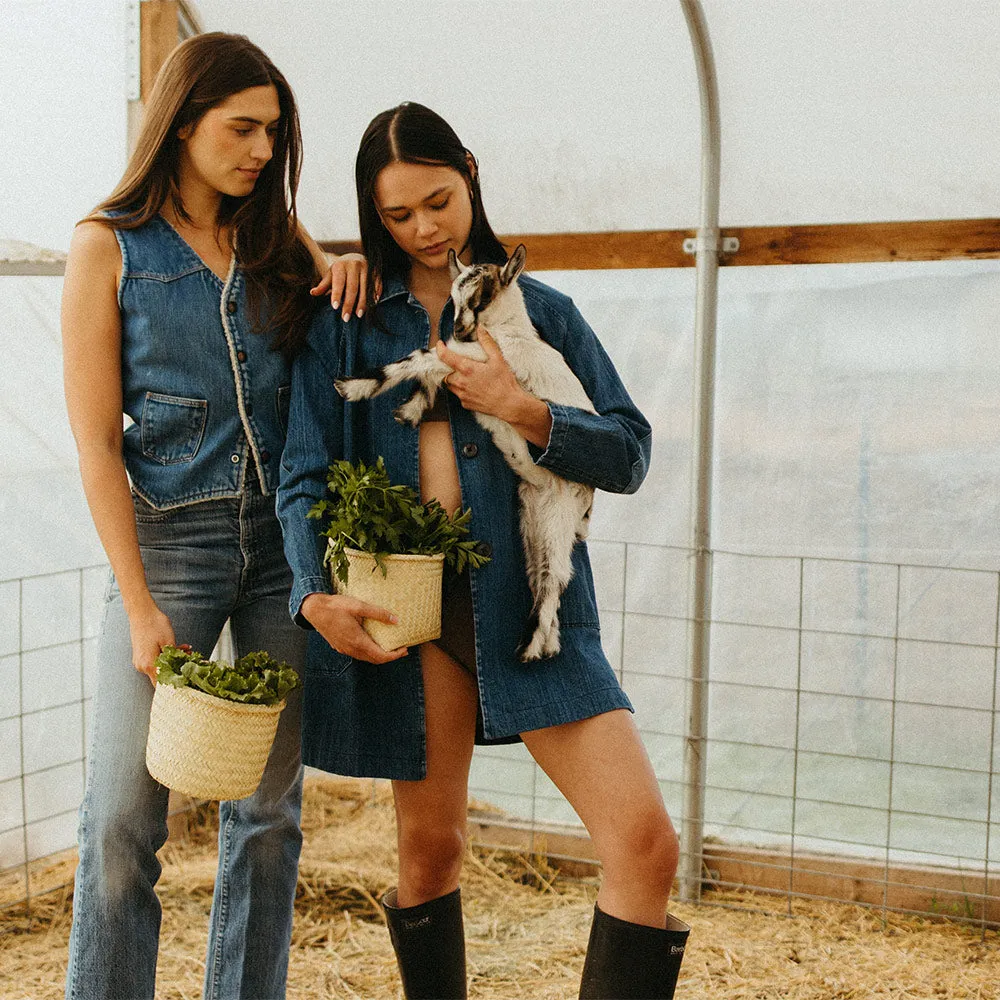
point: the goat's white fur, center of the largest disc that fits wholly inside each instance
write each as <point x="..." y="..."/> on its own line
<point x="554" y="511"/>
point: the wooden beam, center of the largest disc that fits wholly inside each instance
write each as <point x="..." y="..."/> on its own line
<point x="159" y="34"/>
<point x="908" y="888"/>
<point x="868" y="242"/>
<point x="839" y="243"/>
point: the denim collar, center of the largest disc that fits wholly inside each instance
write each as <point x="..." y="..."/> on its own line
<point x="394" y="285"/>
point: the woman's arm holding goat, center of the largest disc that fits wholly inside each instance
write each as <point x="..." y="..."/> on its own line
<point x="609" y="449"/>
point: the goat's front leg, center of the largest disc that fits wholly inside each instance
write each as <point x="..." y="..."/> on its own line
<point x="423" y="365"/>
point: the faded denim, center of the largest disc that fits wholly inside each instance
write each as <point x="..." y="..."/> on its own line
<point x="207" y="396"/>
<point x="205" y="563"/>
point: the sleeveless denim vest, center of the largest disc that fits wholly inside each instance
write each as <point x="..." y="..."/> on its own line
<point x="207" y="396"/>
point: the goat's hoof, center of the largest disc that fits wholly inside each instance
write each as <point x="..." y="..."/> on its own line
<point x="353" y="389"/>
<point x="402" y="417"/>
<point x="535" y="649"/>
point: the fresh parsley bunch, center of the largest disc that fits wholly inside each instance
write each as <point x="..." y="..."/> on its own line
<point x="370" y="514"/>
<point x="254" y="679"/>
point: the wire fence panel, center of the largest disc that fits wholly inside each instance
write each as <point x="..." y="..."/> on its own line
<point x="852" y="744"/>
<point x="852" y="747"/>
<point x="48" y="630"/>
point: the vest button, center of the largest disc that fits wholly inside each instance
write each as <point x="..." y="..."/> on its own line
<point x="241" y="356"/>
<point x="265" y="456"/>
<point x="470" y="450"/>
<point x="231" y="306"/>
<point x="484" y="549"/>
<point x="235" y="459"/>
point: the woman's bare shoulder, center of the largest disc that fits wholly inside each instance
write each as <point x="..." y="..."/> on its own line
<point x="94" y="249"/>
<point x="92" y="238"/>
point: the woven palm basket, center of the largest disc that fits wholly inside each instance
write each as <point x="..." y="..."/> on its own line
<point x="208" y="747"/>
<point x="411" y="590"/>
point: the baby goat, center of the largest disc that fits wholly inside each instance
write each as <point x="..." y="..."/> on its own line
<point x="554" y="511"/>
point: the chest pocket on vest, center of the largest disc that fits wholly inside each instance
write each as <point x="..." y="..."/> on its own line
<point x="172" y="427"/>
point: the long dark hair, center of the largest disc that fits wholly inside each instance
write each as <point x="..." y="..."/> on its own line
<point x="198" y="75"/>
<point x="411" y="133"/>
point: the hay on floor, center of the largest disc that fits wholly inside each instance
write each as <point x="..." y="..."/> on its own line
<point x="526" y="928"/>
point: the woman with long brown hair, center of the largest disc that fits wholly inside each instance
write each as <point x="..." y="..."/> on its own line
<point x="184" y="293"/>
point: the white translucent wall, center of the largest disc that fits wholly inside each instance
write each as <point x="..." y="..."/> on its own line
<point x="857" y="413"/>
<point x="63" y="76"/>
<point x="46" y="526"/>
<point x="584" y="113"/>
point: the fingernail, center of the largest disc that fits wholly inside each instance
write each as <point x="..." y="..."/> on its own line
<point x="393" y="619"/>
<point x="361" y="313"/>
<point x="336" y="305"/>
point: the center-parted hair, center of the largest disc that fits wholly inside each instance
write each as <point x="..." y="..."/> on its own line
<point x="198" y="75"/>
<point x="412" y="133"/>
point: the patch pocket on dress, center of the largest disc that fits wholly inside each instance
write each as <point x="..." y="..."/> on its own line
<point x="172" y="427"/>
<point x="284" y="399"/>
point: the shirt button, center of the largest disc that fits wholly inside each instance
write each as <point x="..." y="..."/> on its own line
<point x="470" y="450"/>
<point x="484" y="549"/>
<point x="231" y="307"/>
<point x="241" y="356"/>
<point x="265" y="456"/>
<point x="235" y="459"/>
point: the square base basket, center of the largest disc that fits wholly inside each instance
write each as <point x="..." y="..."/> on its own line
<point x="208" y="747"/>
<point x="411" y="590"/>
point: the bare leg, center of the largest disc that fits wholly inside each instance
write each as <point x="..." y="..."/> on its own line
<point x="601" y="766"/>
<point x="431" y="814"/>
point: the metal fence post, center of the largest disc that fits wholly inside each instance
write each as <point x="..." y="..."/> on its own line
<point x="707" y="263"/>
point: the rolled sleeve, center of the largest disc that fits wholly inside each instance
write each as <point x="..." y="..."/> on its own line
<point x="315" y="439"/>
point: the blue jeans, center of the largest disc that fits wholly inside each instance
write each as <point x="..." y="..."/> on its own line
<point x="205" y="563"/>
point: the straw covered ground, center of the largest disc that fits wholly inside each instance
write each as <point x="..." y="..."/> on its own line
<point x="526" y="927"/>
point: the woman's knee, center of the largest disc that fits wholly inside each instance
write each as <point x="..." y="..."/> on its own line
<point x="646" y="842"/>
<point x="431" y="852"/>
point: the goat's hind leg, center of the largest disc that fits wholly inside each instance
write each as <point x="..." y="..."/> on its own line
<point x="548" y="529"/>
<point x="412" y="411"/>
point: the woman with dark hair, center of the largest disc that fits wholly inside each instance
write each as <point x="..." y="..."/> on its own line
<point x="413" y="716"/>
<point x="185" y="293"/>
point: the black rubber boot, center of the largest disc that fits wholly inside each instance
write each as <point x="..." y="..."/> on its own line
<point x="628" y="961"/>
<point x="429" y="941"/>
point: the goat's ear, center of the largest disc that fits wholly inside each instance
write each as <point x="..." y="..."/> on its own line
<point x="514" y="266"/>
<point x="454" y="264"/>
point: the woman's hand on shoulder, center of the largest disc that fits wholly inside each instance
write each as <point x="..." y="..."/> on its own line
<point x="338" y="619"/>
<point x="346" y="282"/>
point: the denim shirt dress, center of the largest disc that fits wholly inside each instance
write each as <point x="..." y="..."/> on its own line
<point x="367" y="719"/>
<point x="207" y="396"/>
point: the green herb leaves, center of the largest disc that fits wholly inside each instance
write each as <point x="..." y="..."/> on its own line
<point x="370" y="514"/>
<point x="255" y="679"/>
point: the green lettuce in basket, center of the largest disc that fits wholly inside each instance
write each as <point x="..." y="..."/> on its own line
<point x="254" y="679"/>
